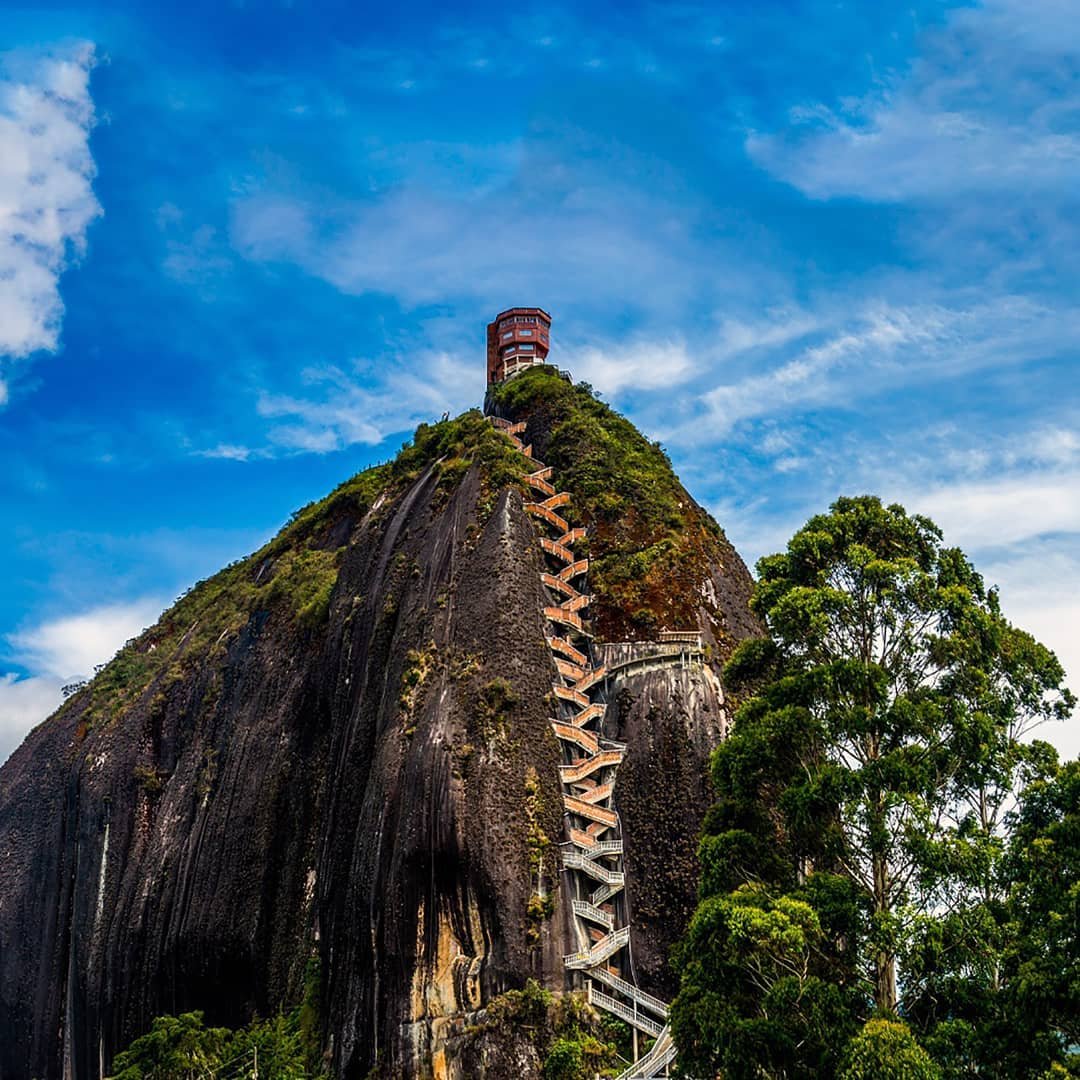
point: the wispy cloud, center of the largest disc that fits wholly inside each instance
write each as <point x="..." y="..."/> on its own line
<point x="426" y="247"/>
<point x="811" y="377"/>
<point x="228" y="452"/>
<point x="988" y="107"/>
<point x="46" y="199"/>
<point x="364" y="405"/>
<point x="59" y="651"/>
<point x="837" y="359"/>
<point x="70" y="646"/>
<point x="632" y="365"/>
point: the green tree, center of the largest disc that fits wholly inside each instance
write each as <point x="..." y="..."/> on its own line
<point x="879" y="742"/>
<point x="886" y="1050"/>
<point x="1042" y="960"/>
<point x="914" y="692"/>
<point x="284" y="1047"/>
<point x="757" y="997"/>
<point x="175" y="1048"/>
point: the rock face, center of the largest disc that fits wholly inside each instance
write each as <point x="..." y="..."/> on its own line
<point x="359" y="766"/>
<point x="670" y="718"/>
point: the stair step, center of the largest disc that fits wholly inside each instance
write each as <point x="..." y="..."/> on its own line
<point x="584" y="910"/>
<point x="561" y="645"/>
<point x="578" y="770"/>
<point x="586" y="810"/>
<point x="585" y="739"/>
<point x="575" y="569"/>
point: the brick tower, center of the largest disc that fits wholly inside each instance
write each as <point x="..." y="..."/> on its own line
<point x="516" y="339"/>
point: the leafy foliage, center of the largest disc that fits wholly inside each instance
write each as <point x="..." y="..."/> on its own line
<point x="756" y="991"/>
<point x="285" y="1047"/>
<point x="293" y="576"/>
<point x="563" y="1028"/>
<point x="887" y="1050"/>
<point x="650" y="544"/>
<point x="1039" y="1010"/>
<point x="869" y="773"/>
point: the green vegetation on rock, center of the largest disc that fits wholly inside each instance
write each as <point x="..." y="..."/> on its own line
<point x="284" y="1047"/>
<point x="573" y="1042"/>
<point x="292" y="577"/>
<point x="650" y="544"/>
<point x="542" y="862"/>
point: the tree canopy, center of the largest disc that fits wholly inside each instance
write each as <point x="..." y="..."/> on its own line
<point x="883" y="736"/>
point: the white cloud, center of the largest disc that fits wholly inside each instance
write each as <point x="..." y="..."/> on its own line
<point x="773" y="330"/>
<point x="227" y="451"/>
<point x="24" y="703"/>
<point x="46" y="199"/>
<point x="71" y="646"/>
<point x="816" y="374"/>
<point x="343" y="409"/>
<point x="644" y="365"/>
<point x="988" y="107"/>
<point x="424" y="246"/>
<point x="905" y="150"/>
<point x="1039" y="581"/>
<point x="1004" y="510"/>
<point x="61" y="651"/>
<point x="844" y="357"/>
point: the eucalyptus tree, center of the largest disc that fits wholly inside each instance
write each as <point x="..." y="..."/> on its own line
<point x="914" y="694"/>
<point x="883" y="733"/>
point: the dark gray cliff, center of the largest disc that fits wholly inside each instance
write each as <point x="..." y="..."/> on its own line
<point x="339" y="747"/>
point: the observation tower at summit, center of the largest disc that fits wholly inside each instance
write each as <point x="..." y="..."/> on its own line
<point x="517" y="339"/>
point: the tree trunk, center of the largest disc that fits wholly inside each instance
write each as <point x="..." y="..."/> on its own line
<point x="885" y="981"/>
<point x="884" y="958"/>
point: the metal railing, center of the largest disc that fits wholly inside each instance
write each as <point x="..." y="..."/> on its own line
<point x="645" y="664"/>
<point x="600" y="814"/>
<point x="606" y="947"/>
<point x="625" y="1012"/>
<point x="655" y="1062"/>
<point x="581" y="769"/>
<point x="629" y="990"/>
<point x="604" y="893"/>
<point x="585" y="739"/>
<point x="585" y="910"/>
<point x="574" y="860"/>
<point x="594" y="795"/>
<point x="692" y="637"/>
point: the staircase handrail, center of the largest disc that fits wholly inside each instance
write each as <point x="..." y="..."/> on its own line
<point x="606" y="947"/>
<point x="624" y="1012"/>
<point x="590" y="911"/>
<point x="575" y="860"/>
<point x="659" y="1057"/>
<point x="653" y="1004"/>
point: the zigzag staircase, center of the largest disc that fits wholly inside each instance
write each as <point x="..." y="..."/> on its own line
<point x="593" y="854"/>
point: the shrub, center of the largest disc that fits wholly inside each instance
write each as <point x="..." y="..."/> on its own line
<point x="887" y="1050"/>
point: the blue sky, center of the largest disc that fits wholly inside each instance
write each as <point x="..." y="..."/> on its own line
<point x="815" y="248"/>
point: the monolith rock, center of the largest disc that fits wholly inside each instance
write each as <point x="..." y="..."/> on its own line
<point x="445" y="737"/>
